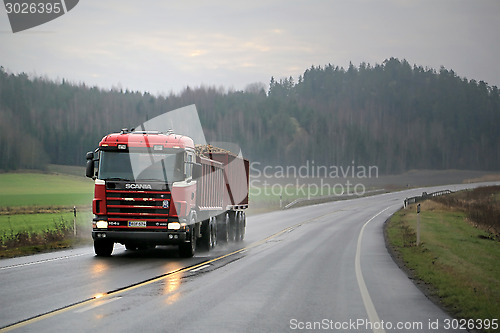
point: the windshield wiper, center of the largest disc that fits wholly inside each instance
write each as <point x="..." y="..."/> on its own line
<point x="118" y="178"/>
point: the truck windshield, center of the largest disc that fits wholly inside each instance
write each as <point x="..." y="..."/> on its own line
<point x="141" y="166"/>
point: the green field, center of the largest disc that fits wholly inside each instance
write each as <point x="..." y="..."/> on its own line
<point x="36" y="210"/>
<point x="456" y="261"/>
<point x="36" y="223"/>
<point x="46" y="190"/>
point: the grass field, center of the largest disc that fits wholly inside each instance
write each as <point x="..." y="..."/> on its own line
<point x="36" y="210"/>
<point x="456" y="262"/>
<point x="38" y="189"/>
<point x="36" y="223"/>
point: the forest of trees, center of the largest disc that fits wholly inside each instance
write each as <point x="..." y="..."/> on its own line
<point x="392" y="115"/>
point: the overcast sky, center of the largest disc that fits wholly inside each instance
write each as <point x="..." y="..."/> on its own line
<point x="164" y="46"/>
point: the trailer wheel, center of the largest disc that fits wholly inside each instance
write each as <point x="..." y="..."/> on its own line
<point x="243" y="226"/>
<point x="232" y="225"/>
<point x="240" y="226"/>
<point x="103" y="248"/>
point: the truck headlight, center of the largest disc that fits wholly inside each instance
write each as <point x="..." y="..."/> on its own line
<point x="174" y="225"/>
<point x="101" y="224"/>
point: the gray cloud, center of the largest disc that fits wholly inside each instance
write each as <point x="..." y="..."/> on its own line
<point x="164" y="45"/>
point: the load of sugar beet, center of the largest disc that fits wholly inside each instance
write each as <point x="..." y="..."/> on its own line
<point x="206" y="150"/>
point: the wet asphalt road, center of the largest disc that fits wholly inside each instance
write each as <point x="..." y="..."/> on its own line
<point x="322" y="267"/>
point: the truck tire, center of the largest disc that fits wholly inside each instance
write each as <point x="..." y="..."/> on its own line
<point x="187" y="249"/>
<point x="208" y="238"/>
<point x="222" y="228"/>
<point x="232" y="225"/>
<point x="243" y="225"/>
<point x="240" y="226"/>
<point x="103" y="248"/>
<point x="213" y="230"/>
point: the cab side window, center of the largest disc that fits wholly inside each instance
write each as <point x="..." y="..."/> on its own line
<point x="189" y="165"/>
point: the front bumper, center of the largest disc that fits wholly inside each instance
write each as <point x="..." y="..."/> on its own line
<point x="149" y="237"/>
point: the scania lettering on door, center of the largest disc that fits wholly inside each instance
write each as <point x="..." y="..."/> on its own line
<point x="138" y="186"/>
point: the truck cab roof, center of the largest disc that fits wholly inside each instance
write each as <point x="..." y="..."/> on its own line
<point x="145" y="139"/>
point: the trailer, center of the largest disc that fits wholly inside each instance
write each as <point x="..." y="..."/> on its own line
<point x="153" y="188"/>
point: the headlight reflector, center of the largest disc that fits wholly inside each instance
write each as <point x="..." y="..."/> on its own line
<point x="174" y="225"/>
<point x="102" y="224"/>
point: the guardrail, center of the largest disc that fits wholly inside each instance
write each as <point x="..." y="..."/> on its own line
<point x="424" y="196"/>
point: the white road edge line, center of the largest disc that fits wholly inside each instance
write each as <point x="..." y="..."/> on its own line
<point x="42" y="261"/>
<point x="370" y="308"/>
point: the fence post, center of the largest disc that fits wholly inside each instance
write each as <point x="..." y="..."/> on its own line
<point x="74" y="221"/>
<point x="418" y="224"/>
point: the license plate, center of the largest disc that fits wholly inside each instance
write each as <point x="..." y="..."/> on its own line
<point x="137" y="224"/>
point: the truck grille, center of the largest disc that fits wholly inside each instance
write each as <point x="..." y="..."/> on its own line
<point x="123" y="205"/>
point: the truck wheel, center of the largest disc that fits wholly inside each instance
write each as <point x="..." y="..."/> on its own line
<point x="103" y="248"/>
<point x="187" y="249"/>
<point x="205" y="242"/>
<point x="208" y="239"/>
<point x="240" y="226"/>
<point x="232" y="225"/>
<point x="213" y="230"/>
<point x="222" y="228"/>
<point x="244" y="225"/>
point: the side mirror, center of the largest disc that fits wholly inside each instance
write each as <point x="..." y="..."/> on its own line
<point x="89" y="171"/>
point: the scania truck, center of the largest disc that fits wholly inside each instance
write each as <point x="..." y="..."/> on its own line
<point x="154" y="188"/>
